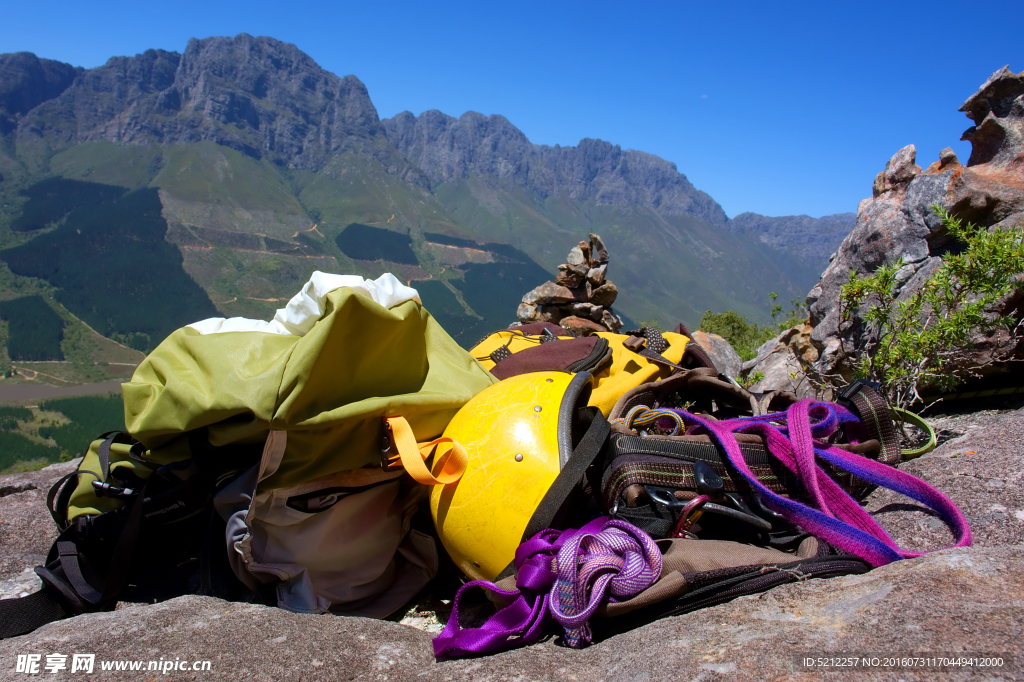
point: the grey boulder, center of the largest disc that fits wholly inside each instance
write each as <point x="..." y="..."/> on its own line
<point x="725" y="358"/>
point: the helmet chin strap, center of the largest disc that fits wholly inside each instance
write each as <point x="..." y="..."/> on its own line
<point x="583" y="455"/>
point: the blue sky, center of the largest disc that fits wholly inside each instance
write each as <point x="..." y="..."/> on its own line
<point x="779" y="108"/>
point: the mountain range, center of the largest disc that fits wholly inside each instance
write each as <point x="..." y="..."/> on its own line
<point x="162" y="188"/>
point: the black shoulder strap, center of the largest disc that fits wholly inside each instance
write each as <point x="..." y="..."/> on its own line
<point x="59" y="496"/>
<point x="22" y="615"/>
<point x="25" y="614"/>
<point x="583" y="455"/>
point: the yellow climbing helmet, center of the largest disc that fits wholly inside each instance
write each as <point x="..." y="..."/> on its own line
<point x="529" y="440"/>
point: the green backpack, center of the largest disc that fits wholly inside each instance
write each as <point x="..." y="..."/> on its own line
<point x="261" y="463"/>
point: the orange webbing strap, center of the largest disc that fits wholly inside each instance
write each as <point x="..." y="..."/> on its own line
<point x="450" y="463"/>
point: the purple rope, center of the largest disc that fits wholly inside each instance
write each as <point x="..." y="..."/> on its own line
<point x="837" y="518"/>
<point x="564" y="574"/>
<point x="620" y="559"/>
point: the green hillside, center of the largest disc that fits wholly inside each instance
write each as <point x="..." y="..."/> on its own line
<point x="113" y="269"/>
<point x="249" y="234"/>
<point x="138" y="240"/>
<point x="223" y="199"/>
<point x="668" y="269"/>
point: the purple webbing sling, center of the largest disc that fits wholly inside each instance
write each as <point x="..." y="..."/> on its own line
<point x="563" y="575"/>
<point x="836" y="517"/>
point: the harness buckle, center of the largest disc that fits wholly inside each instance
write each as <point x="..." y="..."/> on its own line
<point x="389" y="457"/>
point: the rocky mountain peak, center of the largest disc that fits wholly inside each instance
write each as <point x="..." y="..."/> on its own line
<point x="245" y="60"/>
<point x="26" y="81"/>
<point x="491" y="148"/>
<point x="447" y="148"/>
<point x="258" y="95"/>
<point x="269" y="100"/>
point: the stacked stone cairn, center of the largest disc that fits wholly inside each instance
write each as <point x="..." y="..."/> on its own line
<point x="580" y="299"/>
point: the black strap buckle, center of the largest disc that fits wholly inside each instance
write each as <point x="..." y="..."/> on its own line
<point x="853" y="388"/>
<point x="107" y="490"/>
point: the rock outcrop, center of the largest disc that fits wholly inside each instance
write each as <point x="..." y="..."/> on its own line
<point x="897" y="221"/>
<point x="724" y="357"/>
<point x="581" y="297"/>
<point x="780" y="362"/>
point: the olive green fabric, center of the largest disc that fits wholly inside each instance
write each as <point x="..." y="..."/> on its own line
<point x="84" y="499"/>
<point x="329" y="389"/>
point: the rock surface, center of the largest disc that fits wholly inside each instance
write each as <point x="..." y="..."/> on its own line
<point x="26" y="529"/>
<point x="27" y="81"/>
<point x="980" y="468"/>
<point x="782" y="360"/>
<point x="952" y="602"/>
<point x="903" y="609"/>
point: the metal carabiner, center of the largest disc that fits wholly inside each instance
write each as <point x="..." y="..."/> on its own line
<point x="689" y="510"/>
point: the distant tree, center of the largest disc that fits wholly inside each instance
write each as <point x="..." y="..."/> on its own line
<point x="746" y="336"/>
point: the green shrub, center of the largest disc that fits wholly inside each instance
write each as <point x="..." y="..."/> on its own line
<point x="797" y="314"/>
<point x="927" y="338"/>
<point x="745" y="336"/>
